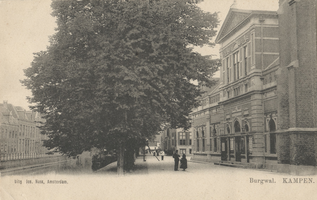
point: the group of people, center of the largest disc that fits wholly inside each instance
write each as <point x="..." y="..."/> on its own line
<point x="159" y="153"/>
<point x="183" y="161"/>
<point x="176" y="157"/>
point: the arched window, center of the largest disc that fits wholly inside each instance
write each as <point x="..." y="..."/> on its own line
<point x="272" y="125"/>
<point x="236" y="127"/>
<point x="228" y="129"/>
<point x="197" y="134"/>
<point x="246" y="127"/>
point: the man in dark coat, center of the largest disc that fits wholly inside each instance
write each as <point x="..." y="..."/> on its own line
<point x="176" y="160"/>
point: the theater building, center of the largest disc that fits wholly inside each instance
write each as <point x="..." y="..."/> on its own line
<point x="237" y="119"/>
<point x="266" y="114"/>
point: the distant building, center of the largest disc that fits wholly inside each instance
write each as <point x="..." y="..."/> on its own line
<point x="19" y="133"/>
<point x="155" y="144"/>
<point x="168" y="140"/>
<point x="184" y="142"/>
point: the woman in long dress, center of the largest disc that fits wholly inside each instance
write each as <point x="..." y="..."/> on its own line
<point x="183" y="162"/>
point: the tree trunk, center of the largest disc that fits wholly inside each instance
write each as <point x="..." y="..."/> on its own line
<point x="120" y="160"/>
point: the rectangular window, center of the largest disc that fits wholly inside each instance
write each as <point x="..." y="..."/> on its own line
<point x="242" y="145"/>
<point x="203" y="140"/>
<point x="182" y="151"/>
<point x="215" y="145"/>
<point x="210" y="144"/>
<point x="236" y="65"/>
<point x="273" y="143"/>
<point x="190" y="151"/>
<point x="231" y="144"/>
<point x="203" y="131"/>
<point x="228" y="75"/>
<point x="182" y="138"/>
<point x="245" y="60"/>
<point x="197" y="144"/>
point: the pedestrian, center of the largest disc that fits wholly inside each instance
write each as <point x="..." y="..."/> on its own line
<point x="183" y="162"/>
<point x="176" y="160"/>
<point x="162" y="154"/>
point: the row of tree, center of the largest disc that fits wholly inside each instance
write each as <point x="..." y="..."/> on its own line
<point x="116" y="71"/>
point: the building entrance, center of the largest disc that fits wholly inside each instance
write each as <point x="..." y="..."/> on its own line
<point x="238" y="148"/>
<point x="241" y="151"/>
<point x="224" y="149"/>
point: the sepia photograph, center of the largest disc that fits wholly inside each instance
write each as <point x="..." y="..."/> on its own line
<point x="158" y="99"/>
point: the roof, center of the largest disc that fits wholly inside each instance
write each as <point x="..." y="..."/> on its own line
<point x="17" y="112"/>
<point x="237" y="18"/>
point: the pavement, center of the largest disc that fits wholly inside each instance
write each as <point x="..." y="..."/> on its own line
<point x="152" y="165"/>
<point x="157" y="180"/>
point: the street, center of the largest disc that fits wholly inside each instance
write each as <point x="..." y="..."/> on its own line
<point x="155" y="179"/>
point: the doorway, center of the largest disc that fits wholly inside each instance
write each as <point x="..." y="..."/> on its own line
<point x="224" y="151"/>
<point x="238" y="144"/>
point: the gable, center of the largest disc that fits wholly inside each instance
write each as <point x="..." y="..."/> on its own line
<point x="233" y="19"/>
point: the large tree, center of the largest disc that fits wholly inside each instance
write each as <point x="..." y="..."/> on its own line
<point x="115" y="71"/>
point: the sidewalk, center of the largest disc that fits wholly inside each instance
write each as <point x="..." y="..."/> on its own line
<point x="151" y="165"/>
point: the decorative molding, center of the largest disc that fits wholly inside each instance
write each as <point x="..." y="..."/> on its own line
<point x="290" y="130"/>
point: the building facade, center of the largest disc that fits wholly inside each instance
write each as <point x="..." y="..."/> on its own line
<point x="265" y="113"/>
<point x="238" y="118"/>
<point x="177" y="139"/>
<point x="19" y="133"/>
<point x="297" y="83"/>
<point x="184" y="142"/>
<point x="168" y="140"/>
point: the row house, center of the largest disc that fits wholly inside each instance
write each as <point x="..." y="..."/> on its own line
<point x="184" y="140"/>
<point x="177" y="139"/>
<point x="19" y="133"/>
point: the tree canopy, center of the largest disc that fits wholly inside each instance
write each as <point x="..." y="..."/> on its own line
<point x="116" y="71"/>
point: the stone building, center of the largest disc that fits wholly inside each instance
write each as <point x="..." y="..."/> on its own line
<point x="297" y="84"/>
<point x="206" y="120"/>
<point x="266" y="113"/>
<point x="19" y="133"/>
<point x="177" y="139"/>
<point x="168" y="140"/>
<point x="184" y="140"/>
<point x="237" y="117"/>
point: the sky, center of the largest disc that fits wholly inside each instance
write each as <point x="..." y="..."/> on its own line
<point x="25" y="27"/>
